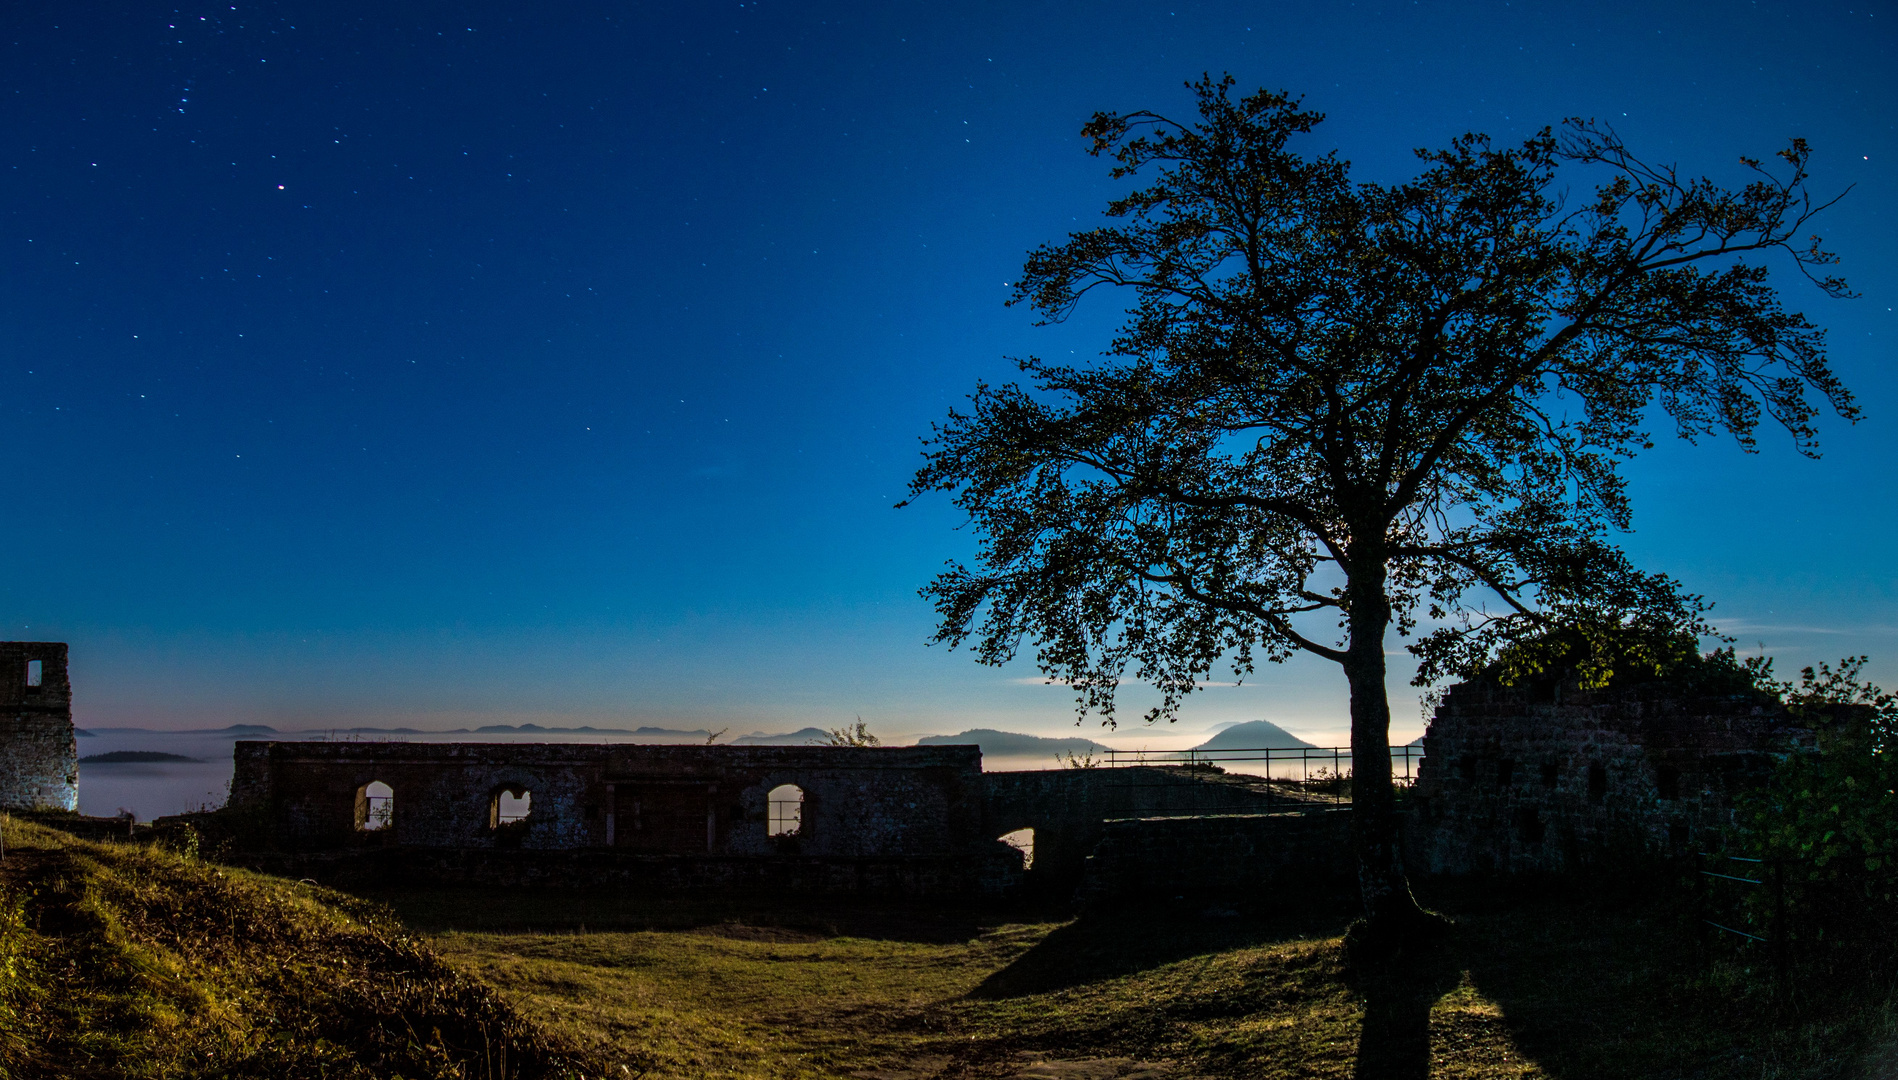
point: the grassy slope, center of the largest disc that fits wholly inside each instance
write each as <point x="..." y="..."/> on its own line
<point x="122" y="961"/>
<point x="1548" y="986"/>
<point x="118" y="961"/>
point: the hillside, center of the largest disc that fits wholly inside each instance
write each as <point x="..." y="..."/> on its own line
<point x="119" y="960"/>
<point x="1010" y="744"/>
<point x="1254" y="735"/>
<point x="810" y="736"/>
<point x="134" y="757"/>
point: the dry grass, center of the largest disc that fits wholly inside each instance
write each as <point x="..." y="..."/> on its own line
<point x="120" y="961"/>
<point x="1547" y="986"/>
<point x="124" y="961"/>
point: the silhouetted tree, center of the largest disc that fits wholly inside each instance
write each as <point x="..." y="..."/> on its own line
<point x="1340" y="406"/>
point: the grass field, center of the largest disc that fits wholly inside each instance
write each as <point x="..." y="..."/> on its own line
<point x="1526" y="986"/>
<point x="122" y="961"/>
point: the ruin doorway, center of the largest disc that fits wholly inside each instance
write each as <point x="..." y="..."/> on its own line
<point x="509" y="806"/>
<point x="784" y="811"/>
<point x="375" y="807"/>
<point x="1022" y="840"/>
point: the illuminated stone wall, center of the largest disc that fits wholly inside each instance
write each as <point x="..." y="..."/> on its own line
<point x="39" y="757"/>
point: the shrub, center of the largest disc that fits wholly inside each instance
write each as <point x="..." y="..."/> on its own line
<point x="1827" y="822"/>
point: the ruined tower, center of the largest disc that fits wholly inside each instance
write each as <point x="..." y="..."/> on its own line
<point x="39" y="758"/>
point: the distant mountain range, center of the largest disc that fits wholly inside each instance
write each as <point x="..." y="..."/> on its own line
<point x="1009" y="744"/>
<point x="810" y="736"/>
<point x="241" y="730"/>
<point x="1249" y="735"/>
<point x="498" y="729"/>
<point x="1254" y="735"/>
<point x="235" y="730"/>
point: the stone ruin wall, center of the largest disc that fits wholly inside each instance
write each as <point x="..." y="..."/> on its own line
<point x="886" y="821"/>
<point x="677" y="800"/>
<point x="1545" y="778"/>
<point x="39" y="756"/>
<point x="1552" y="778"/>
<point x="1249" y="858"/>
<point x="1070" y="809"/>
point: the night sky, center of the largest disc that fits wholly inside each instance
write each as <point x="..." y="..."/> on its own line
<point x="437" y="363"/>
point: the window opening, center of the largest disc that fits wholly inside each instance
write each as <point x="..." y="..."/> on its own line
<point x="1505" y="772"/>
<point x="1529" y="825"/>
<point x="1597" y="781"/>
<point x="1550" y="772"/>
<point x="1022" y="840"/>
<point x="784" y="810"/>
<point x="1667" y="782"/>
<point x="35" y="672"/>
<point x="375" y="806"/>
<point x="509" y="805"/>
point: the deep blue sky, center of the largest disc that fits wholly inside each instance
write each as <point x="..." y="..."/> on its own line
<point x="442" y="362"/>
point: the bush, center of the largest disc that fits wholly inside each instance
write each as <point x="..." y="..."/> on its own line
<point x="1827" y="822"/>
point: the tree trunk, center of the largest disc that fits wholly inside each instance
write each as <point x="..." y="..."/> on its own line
<point x="1391" y="912"/>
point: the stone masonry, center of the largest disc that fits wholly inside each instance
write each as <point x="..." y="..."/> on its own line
<point x="887" y="820"/>
<point x="674" y="800"/>
<point x="1550" y="778"/>
<point x="1069" y="809"/>
<point x="1238" y="857"/>
<point x="39" y="757"/>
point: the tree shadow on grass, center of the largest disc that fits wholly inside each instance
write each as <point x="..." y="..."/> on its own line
<point x="1399" y="993"/>
<point x="1602" y="986"/>
<point x="1108" y="945"/>
<point x="1605" y="976"/>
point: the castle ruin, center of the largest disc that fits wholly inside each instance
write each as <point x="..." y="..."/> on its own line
<point x="1542" y="777"/>
<point x="1549" y="777"/>
<point x="39" y="756"/>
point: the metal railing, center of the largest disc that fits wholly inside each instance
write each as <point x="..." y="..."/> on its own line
<point x="1738" y="875"/>
<point x="1334" y="758"/>
<point x="1257" y="780"/>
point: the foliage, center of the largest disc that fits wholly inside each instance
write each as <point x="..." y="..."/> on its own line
<point x="857" y="734"/>
<point x="1600" y="655"/>
<point x="1338" y="407"/>
<point x="1827" y="823"/>
<point x="131" y="961"/>
<point x="1370" y="403"/>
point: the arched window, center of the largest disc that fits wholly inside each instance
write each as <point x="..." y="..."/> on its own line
<point x="784" y="810"/>
<point x="375" y="806"/>
<point x="509" y="805"/>
<point x="1022" y="840"/>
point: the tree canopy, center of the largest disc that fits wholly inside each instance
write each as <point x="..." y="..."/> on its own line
<point x="1338" y="407"/>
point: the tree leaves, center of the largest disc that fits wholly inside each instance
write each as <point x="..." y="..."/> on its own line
<point x="1338" y="405"/>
